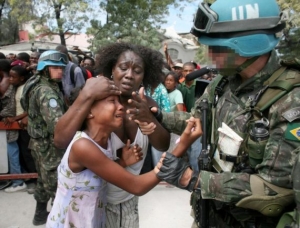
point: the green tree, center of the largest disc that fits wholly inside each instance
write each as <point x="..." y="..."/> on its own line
<point x="8" y="24"/>
<point x="53" y="17"/>
<point x="135" y="21"/>
<point x="62" y="17"/>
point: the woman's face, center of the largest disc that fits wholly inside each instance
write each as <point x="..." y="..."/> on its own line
<point x="128" y="73"/>
<point x="108" y="111"/>
<point x="15" y="79"/>
<point x="170" y="82"/>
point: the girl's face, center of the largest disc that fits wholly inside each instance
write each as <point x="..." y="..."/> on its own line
<point x="56" y="72"/>
<point x="108" y="111"/>
<point x="128" y="73"/>
<point x="15" y="79"/>
<point x="170" y="82"/>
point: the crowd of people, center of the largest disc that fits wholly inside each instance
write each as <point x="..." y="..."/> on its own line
<point x="38" y="89"/>
<point x="98" y="131"/>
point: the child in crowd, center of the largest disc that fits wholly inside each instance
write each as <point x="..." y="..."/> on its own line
<point x="7" y="113"/>
<point x="175" y="96"/>
<point x="18" y="75"/>
<point x="176" y="100"/>
<point x="87" y="166"/>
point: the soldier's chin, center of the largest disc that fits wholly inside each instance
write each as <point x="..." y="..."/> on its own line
<point x="56" y="79"/>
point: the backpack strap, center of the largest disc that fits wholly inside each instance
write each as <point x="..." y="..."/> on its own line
<point x="277" y="86"/>
<point x="72" y="72"/>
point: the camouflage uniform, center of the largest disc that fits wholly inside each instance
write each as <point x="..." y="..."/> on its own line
<point x="43" y="102"/>
<point x="280" y="151"/>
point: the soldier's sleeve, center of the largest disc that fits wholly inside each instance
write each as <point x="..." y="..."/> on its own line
<point x="51" y="107"/>
<point x="175" y="121"/>
<point x="296" y="188"/>
<point x="225" y="187"/>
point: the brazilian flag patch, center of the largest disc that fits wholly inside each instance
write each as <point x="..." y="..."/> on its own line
<point x="293" y="132"/>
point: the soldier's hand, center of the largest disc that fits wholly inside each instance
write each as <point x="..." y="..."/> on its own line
<point x="99" y="88"/>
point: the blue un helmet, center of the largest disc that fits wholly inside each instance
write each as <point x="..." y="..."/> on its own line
<point x="248" y="27"/>
<point x="52" y="58"/>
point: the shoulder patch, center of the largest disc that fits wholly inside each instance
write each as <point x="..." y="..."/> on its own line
<point x="292" y="114"/>
<point x="293" y="132"/>
<point x="52" y="103"/>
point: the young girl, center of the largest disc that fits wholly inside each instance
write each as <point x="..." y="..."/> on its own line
<point x="87" y="166"/>
<point x="10" y="114"/>
<point x="175" y="96"/>
<point x="18" y="75"/>
<point x="176" y="100"/>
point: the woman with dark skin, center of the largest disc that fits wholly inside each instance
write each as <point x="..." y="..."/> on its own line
<point x="128" y="66"/>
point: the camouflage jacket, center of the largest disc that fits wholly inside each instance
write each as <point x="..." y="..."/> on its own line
<point x="280" y="150"/>
<point x="43" y="102"/>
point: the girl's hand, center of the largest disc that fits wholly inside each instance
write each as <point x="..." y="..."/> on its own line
<point x="146" y="129"/>
<point x="131" y="155"/>
<point x="192" y="131"/>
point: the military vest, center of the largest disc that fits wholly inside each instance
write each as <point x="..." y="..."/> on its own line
<point x="31" y="102"/>
<point x="255" y="131"/>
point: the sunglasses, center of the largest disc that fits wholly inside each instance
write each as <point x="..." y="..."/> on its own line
<point x="219" y="49"/>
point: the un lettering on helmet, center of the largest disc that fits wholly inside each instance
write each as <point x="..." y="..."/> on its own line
<point x="248" y="27"/>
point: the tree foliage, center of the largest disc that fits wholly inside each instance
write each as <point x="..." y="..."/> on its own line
<point x="8" y="24"/>
<point x="135" y="21"/>
<point x="52" y="16"/>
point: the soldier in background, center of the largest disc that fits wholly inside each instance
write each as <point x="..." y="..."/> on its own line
<point x="43" y="101"/>
<point x="258" y="189"/>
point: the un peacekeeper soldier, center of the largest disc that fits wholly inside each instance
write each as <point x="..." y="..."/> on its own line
<point x="241" y="36"/>
<point x="43" y="102"/>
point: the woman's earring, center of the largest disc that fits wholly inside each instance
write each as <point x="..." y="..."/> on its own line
<point x="91" y="115"/>
<point x="112" y="77"/>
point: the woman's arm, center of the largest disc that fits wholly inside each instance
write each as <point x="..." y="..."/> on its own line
<point x="160" y="138"/>
<point x="71" y="121"/>
<point x="85" y="154"/>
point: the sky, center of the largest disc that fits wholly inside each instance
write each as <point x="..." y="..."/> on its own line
<point x="184" y="22"/>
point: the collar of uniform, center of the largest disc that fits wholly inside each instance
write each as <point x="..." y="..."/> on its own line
<point x="257" y="80"/>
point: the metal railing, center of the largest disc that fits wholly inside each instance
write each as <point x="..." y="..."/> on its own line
<point x="15" y="126"/>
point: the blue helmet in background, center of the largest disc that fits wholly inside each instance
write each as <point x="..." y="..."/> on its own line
<point x="248" y="27"/>
<point x="52" y="58"/>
